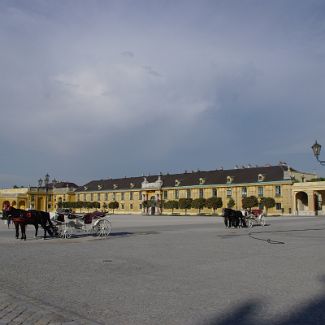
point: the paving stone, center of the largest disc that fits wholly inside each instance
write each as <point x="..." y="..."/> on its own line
<point x="17" y="310"/>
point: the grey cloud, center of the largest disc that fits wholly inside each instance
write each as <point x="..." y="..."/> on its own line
<point x="128" y="54"/>
<point x="151" y="71"/>
<point x="211" y="84"/>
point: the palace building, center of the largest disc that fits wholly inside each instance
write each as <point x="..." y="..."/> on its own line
<point x="292" y="191"/>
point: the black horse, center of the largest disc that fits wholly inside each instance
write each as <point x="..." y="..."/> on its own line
<point x="21" y="218"/>
<point x="234" y="218"/>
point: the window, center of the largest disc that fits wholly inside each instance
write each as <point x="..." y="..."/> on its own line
<point x="131" y="196"/>
<point x="188" y="193"/>
<point x="229" y="192"/>
<point x="140" y="196"/>
<point x="201" y="193"/>
<point x="244" y="191"/>
<point x="78" y="197"/>
<point x="131" y="206"/>
<point x="122" y="196"/>
<point x="122" y="206"/>
<point x="260" y="191"/>
<point x="214" y="192"/>
<point x="98" y="196"/>
<point x="140" y="206"/>
<point x="260" y="177"/>
<point x="176" y="194"/>
<point x="278" y="206"/>
<point x="165" y="195"/>
<point x="230" y="179"/>
<point x="106" y="196"/>
<point x="114" y="196"/>
<point x="278" y="190"/>
<point x="85" y="197"/>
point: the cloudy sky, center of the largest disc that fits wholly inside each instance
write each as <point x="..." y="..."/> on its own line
<point x="95" y="89"/>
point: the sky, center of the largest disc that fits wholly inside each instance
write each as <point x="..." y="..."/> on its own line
<point x="96" y="89"/>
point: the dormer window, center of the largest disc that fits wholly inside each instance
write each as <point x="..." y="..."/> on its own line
<point x="177" y="182"/>
<point x="85" y="188"/>
<point x="99" y="187"/>
<point x="115" y="186"/>
<point x="260" y="177"/>
<point x="230" y="179"/>
<point x="201" y="181"/>
<point x="131" y="185"/>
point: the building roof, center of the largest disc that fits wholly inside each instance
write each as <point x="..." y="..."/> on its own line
<point x="63" y="185"/>
<point x="216" y="177"/>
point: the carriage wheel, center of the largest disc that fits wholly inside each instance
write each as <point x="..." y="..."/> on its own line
<point x="249" y="223"/>
<point x="67" y="232"/>
<point x="263" y="222"/>
<point x="104" y="228"/>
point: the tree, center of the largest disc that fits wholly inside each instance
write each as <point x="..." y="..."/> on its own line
<point x="185" y="204"/>
<point x="113" y="205"/>
<point x="267" y="202"/>
<point x="249" y="202"/>
<point x="160" y="204"/>
<point x="214" y="203"/>
<point x="172" y="204"/>
<point x="199" y="204"/>
<point x="146" y="205"/>
<point x="79" y="205"/>
<point x="96" y="205"/>
<point x="231" y="203"/>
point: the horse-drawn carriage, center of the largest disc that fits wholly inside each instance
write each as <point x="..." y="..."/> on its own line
<point x="238" y="219"/>
<point x="61" y="225"/>
<point x="96" y="223"/>
<point x="255" y="217"/>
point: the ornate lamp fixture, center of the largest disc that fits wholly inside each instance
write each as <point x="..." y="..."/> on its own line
<point x="316" y="150"/>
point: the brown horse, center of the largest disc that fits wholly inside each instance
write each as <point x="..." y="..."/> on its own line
<point x="21" y="218"/>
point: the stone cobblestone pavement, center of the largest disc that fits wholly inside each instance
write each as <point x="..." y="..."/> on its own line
<point x="27" y="311"/>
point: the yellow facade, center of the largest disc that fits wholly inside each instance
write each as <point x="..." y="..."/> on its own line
<point x="287" y="193"/>
<point x="132" y="203"/>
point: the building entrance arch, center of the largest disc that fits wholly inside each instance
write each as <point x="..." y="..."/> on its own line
<point x="21" y="205"/>
<point x="301" y="202"/>
<point x="153" y="204"/>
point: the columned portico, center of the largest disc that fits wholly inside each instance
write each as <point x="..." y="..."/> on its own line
<point x="309" y="198"/>
<point x="151" y="194"/>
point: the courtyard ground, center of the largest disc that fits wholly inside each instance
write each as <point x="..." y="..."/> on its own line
<point x="168" y="270"/>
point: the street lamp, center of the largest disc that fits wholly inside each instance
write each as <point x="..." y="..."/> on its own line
<point x="316" y="150"/>
<point x="46" y="183"/>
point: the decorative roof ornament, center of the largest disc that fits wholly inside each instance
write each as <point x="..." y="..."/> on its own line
<point x="115" y="186"/>
<point x="201" y="181"/>
<point x="177" y="182"/>
<point x="159" y="181"/>
<point x="99" y="186"/>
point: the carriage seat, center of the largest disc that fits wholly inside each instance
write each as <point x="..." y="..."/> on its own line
<point x="88" y="219"/>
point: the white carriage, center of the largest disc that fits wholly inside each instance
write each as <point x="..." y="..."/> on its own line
<point x="97" y="224"/>
<point x="255" y="218"/>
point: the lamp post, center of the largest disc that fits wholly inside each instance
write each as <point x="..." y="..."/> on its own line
<point x="46" y="183"/>
<point x="316" y="150"/>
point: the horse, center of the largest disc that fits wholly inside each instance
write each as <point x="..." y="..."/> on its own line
<point x="233" y="218"/>
<point x="21" y="218"/>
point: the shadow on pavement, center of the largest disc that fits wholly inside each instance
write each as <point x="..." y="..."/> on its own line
<point x="309" y="313"/>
